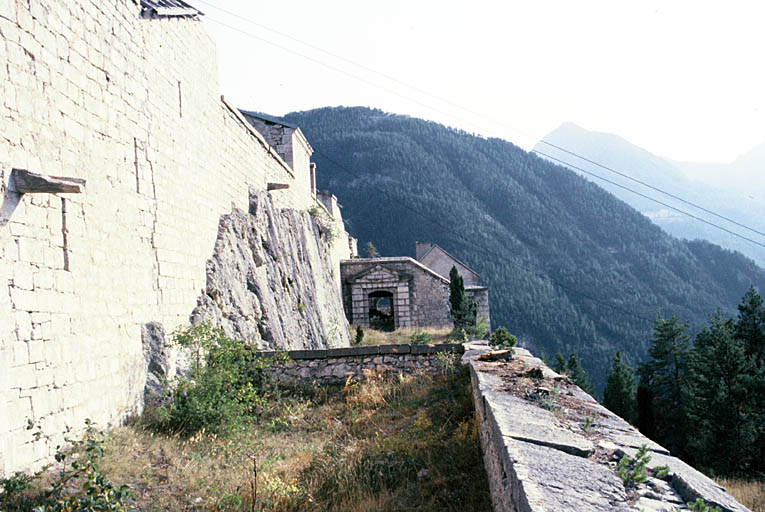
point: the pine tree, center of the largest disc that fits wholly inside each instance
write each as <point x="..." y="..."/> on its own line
<point x="750" y="326"/>
<point x="620" y="393"/>
<point x="750" y="329"/>
<point x="560" y="364"/>
<point x="463" y="310"/>
<point x="371" y="250"/>
<point x="722" y="419"/>
<point x="578" y="375"/>
<point x="662" y="378"/>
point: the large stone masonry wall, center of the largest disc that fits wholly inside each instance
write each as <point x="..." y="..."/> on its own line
<point x="549" y="446"/>
<point x="90" y="90"/>
<point x="335" y="366"/>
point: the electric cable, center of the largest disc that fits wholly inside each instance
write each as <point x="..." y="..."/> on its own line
<point x="430" y="107"/>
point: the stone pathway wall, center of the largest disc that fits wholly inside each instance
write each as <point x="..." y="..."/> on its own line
<point x="334" y="366"/>
<point x="549" y="446"/>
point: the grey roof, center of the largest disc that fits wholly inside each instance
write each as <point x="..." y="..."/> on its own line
<point x="168" y="8"/>
<point x="267" y="118"/>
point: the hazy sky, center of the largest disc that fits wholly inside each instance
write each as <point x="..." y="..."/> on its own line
<point x="683" y="79"/>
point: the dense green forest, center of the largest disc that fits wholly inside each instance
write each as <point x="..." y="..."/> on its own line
<point x="704" y="401"/>
<point x="571" y="268"/>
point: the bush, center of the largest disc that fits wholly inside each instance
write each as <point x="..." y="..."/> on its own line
<point x="79" y="470"/>
<point x="228" y="384"/>
<point x="501" y="338"/>
<point x="420" y="337"/>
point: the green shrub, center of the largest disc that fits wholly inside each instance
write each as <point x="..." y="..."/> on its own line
<point x="632" y="471"/>
<point x="359" y="335"/>
<point x="420" y="338"/>
<point x="700" y="506"/>
<point x="228" y="384"/>
<point x="79" y="471"/>
<point x="501" y="338"/>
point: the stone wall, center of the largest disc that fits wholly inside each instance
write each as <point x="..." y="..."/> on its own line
<point x="547" y="445"/>
<point x="335" y="366"/>
<point x="441" y="262"/>
<point x="421" y="296"/>
<point x="91" y="90"/>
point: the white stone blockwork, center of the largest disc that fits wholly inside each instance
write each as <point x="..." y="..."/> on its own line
<point x="131" y="105"/>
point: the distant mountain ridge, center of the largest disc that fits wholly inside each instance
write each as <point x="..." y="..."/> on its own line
<point x="571" y="267"/>
<point x="721" y="191"/>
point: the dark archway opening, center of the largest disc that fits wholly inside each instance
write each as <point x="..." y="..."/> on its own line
<point x="381" y="311"/>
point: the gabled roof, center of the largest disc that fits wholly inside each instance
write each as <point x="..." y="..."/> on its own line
<point x="267" y="119"/>
<point x="401" y="276"/>
<point x="433" y="246"/>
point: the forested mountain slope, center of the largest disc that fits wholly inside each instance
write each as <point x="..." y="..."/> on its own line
<point x="570" y="267"/>
<point x="723" y="197"/>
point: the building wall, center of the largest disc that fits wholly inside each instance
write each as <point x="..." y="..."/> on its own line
<point x="133" y="106"/>
<point x="428" y="304"/>
<point x="441" y="263"/>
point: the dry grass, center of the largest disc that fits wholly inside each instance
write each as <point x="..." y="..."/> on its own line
<point x="750" y="493"/>
<point x="385" y="443"/>
<point x="404" y="336"/>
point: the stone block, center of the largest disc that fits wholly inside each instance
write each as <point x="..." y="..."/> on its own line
<point x="352" y="351"/>
<point x="307" y="354"/>
<point x="395" y="349"/>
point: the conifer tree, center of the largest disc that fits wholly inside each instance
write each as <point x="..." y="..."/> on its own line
<point x="578" y="375"/>
<point x="620" y="393"/>
<point x="750" y="326"/>
<point x="662" y="377"/>
<point x="371" y="250"/>
<point x="463" y="310"/>
<point x="722" y="419"/>
<point x="750" y="329"/>
<point x="560" y="364"/>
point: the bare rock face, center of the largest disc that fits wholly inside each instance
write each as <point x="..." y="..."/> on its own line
<point x="157" y="358"/>
<point x="271" y="281"/>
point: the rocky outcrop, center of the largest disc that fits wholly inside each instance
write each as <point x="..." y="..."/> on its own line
<point x="272" y="281"/>
<point x="156" y="354"/>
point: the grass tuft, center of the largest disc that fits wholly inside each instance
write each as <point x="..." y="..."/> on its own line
<point x="750" y="493"/>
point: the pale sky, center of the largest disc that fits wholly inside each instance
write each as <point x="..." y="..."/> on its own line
<point x="683" y="79"/>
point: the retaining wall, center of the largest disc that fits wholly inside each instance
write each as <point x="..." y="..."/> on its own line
<point x="91" y="90"/>
<point x="334" y="366"/>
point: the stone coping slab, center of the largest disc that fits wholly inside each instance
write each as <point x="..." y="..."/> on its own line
<point x="691" y="483"/>
<point x="541" y="455"/>
<point x="371" y="350"/>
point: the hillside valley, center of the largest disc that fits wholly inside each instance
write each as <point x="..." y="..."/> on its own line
<point x="571" y="267"/>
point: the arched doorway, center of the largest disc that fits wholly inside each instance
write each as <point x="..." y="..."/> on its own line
<point x="381" y="315"/>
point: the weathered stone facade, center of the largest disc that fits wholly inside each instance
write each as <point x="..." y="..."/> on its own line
<point x="419" y="297"/>
<point x="127" y="100"/>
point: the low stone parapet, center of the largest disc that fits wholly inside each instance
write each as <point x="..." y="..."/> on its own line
<point x="549" y="446"/>
<point x="336" y="365"/>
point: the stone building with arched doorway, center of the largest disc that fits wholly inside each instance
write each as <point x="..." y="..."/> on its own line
<point x="400" y="292"/>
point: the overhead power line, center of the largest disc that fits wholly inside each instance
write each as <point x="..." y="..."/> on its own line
<point x="449" y="114"/>
<point x="647" y="197"/>
<point x="609" y="169"/>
